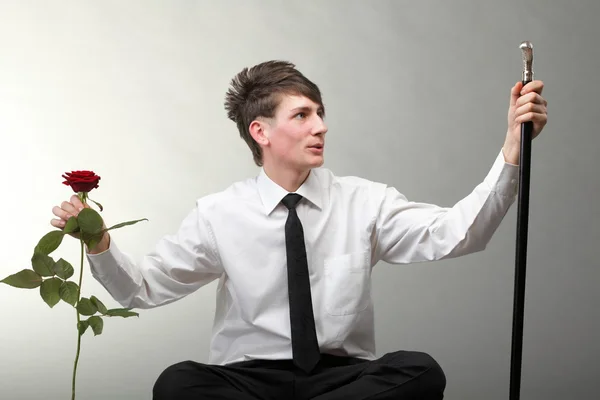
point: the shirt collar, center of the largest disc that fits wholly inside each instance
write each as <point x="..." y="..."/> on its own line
<point x="271" y="193"/>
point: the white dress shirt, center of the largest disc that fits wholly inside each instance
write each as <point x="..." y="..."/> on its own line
<point x="350" y="224"/>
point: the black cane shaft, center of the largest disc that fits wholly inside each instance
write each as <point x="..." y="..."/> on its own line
<point x="521" y="259"/>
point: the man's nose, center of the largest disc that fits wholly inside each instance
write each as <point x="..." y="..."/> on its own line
<point x="320" y="127"/>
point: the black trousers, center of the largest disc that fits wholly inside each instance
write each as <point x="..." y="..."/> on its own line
<point x="402" y="375"/>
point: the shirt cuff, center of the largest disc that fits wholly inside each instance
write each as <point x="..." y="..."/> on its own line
<point x="106" y="263"/>
<point x="503" y="177"/>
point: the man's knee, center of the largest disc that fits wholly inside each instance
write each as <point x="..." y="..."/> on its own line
<point x="429" y="370"/>
<point x="435" y="376"/>
<point x="170" y="380"/>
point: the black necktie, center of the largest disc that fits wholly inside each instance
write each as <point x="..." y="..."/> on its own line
<point x="304" y="336"/>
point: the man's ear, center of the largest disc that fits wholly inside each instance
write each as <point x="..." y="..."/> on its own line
<point x="258" y="131"/>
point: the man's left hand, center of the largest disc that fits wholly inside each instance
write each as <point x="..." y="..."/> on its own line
<point x="526" y="104"/>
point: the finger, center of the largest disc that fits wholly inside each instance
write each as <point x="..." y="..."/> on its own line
<point x="531" y="98"/>
<point x="69" y="208"/>
<point x="57" y="223"/>
<point x="515" y="93"/>
<point x="77" y="202"/>
<point x="64" y="212"/>
<point x="530" y="107"/>
<point x="532" y="116"/>
<point x="533" y="86"/>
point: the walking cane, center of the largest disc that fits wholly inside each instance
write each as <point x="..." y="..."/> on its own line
<point x="522" y="226"/>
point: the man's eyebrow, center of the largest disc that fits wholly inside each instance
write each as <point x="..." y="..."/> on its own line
<point x="301" y="108"/>
<point x="320" y="109"/>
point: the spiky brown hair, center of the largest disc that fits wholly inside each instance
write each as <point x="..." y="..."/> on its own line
<point x="256" y="92"/>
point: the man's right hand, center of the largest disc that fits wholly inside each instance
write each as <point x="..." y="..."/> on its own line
<point x="70" y="209"/>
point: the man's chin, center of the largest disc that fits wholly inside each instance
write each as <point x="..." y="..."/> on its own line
<point x="317" y="162"/>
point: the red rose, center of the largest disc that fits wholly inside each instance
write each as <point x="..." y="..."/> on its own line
<point x="81" y="181"/>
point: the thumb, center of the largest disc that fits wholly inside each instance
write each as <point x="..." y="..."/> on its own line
<point x="515" y="93"/>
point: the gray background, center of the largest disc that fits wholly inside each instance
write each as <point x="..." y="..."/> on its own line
<point x="416" y="95"/>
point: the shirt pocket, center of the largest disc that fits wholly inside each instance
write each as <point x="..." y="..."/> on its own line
<point x="347" y="283"/>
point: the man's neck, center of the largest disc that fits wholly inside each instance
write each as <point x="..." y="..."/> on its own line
<point x="290" y="180"/>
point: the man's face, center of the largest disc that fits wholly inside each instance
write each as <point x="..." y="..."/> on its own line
<point x="296" y="134"/>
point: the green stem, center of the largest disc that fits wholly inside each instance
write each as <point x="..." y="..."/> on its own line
<point x="78" y="321"/>
<point x="83" y="196"/>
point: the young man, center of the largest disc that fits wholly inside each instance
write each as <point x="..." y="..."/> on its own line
<point x="293" y="250"/>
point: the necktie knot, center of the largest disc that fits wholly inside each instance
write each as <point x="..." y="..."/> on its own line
<point x="291" y="200"/>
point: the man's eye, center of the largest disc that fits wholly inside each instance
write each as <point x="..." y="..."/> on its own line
<point x="301" y="115"/>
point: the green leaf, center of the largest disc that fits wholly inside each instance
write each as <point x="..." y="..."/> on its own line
<point x="63" y="269"/>
<point x="24" y="279"/>
<point x="82" y="326"/>
<point x="92" y="240"/>
<point x="97" y="324"/>
<point x="122" y="224"/>
<point x="90" y="222"/>
<point x="42" y="264"/>
<point x="49" y="290"/>
<point x="98" y="304"/>
<point x="71" y="226"/>
<point x="68" y="292"/>
<point x="49" y="242"/>
<point x="85" y="307"/>
<point x="121" y="312"/>
<point x="98" y="204"/>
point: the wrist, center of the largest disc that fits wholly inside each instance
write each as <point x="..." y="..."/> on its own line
<point x="102" y="246"/>
<point x="511" y="152"/>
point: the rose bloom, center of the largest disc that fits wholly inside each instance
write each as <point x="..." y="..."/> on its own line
<point x="81" y="181"/>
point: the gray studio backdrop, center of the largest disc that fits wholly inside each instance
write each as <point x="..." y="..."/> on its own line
<point x="416" y="95"/>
